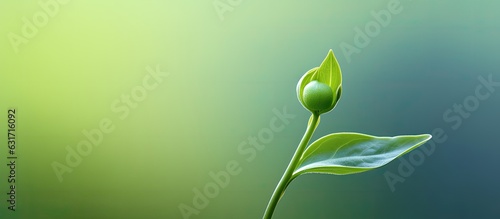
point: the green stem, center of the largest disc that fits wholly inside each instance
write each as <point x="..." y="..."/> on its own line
<point x="285" y="179"/>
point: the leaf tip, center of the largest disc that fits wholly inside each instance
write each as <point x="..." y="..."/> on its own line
<point x="425" y="137"/>
<point x="429" y="136"/>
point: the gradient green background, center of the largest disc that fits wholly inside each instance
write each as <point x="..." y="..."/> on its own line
<point x="226" y="77"/>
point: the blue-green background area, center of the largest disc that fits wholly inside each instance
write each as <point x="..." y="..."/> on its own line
<point x="225" y="78"/>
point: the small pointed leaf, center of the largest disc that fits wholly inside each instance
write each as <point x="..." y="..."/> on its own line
<point x="328" y="73"/>
<point x="304" y="80"/>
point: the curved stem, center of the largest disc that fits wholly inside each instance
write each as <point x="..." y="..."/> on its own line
<point x="285" y="179"/>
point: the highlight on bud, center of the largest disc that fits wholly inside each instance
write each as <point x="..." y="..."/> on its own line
<point x="312" y="89"/>
<point x="317" y="96"/>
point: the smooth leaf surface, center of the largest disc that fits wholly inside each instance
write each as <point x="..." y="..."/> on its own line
<point x="329" y="72"/>
<point x="304" y="80"/>
<point x="348" y="153"/>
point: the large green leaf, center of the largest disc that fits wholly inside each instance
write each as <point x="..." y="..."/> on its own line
<point x="348" y="153"/>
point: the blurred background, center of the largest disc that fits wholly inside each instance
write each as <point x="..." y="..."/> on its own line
<point x="220" y="72"/>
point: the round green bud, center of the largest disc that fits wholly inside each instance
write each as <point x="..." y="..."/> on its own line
<point x="317" y="96"/>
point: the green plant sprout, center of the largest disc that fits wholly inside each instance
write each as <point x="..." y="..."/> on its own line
<point x="318" y="91"/>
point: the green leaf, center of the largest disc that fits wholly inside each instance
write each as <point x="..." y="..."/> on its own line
<point x="328" y="73"/>
<point x="348" y="153"/>
<point x="304" y="80"/>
